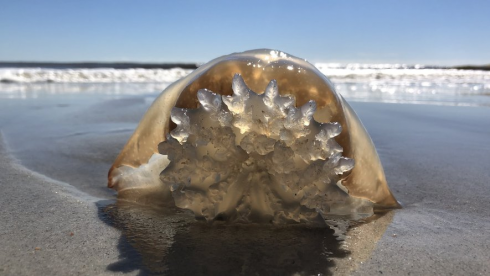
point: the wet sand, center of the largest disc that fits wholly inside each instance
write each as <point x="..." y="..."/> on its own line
<point x="48" y="227"/>
<point x="435" y="158"/>
<point x="436" y="162"/>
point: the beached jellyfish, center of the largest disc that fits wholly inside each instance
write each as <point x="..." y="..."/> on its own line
<point x="253" y="136"/>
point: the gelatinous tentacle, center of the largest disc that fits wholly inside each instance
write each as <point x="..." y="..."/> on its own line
<point x="250" y="156"/>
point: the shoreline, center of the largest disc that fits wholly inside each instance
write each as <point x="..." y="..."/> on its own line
<point x="434" y="158"/>
<point x="49" y="227"/>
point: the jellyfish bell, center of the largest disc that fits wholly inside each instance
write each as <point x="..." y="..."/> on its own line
<point x="258" y="135"/>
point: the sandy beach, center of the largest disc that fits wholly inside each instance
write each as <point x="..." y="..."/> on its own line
<point x="436" y="161"/>
<point x="48" y="227"/>
<point x="58" y="217"/>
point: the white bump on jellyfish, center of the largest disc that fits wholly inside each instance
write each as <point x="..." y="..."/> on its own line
<point x="182" y="131"/>
<point x="133" y="178"/>
<point x="251" y="157"/>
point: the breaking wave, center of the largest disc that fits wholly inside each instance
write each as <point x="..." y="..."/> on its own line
<point x="397" y="83"/>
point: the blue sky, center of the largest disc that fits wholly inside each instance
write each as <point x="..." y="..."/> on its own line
<point x="430" y="32"/>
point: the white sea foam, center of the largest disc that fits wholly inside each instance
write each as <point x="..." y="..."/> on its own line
<point x="338" y="72"/>
<point x="356" y="82"/>
<point x="409" y="84"/>
<point x="400" y="83"/>
<point x="403" y="75"/>
<point x="99" y="75"/>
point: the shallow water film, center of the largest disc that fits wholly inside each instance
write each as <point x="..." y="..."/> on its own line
<point x="170" y="241"/>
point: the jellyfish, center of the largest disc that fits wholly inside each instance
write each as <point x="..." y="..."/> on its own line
<point x="254" y="136"/>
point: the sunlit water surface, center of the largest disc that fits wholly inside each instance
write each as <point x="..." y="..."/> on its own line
<point x="172" y="242"/>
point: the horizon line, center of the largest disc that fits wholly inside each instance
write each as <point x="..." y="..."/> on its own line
<point x="188" y="65"/>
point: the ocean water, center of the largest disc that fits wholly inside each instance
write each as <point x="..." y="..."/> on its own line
<point x="392" y="83"/>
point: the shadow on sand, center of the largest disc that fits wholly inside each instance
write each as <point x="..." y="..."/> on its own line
<point x="172" y="242"/>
